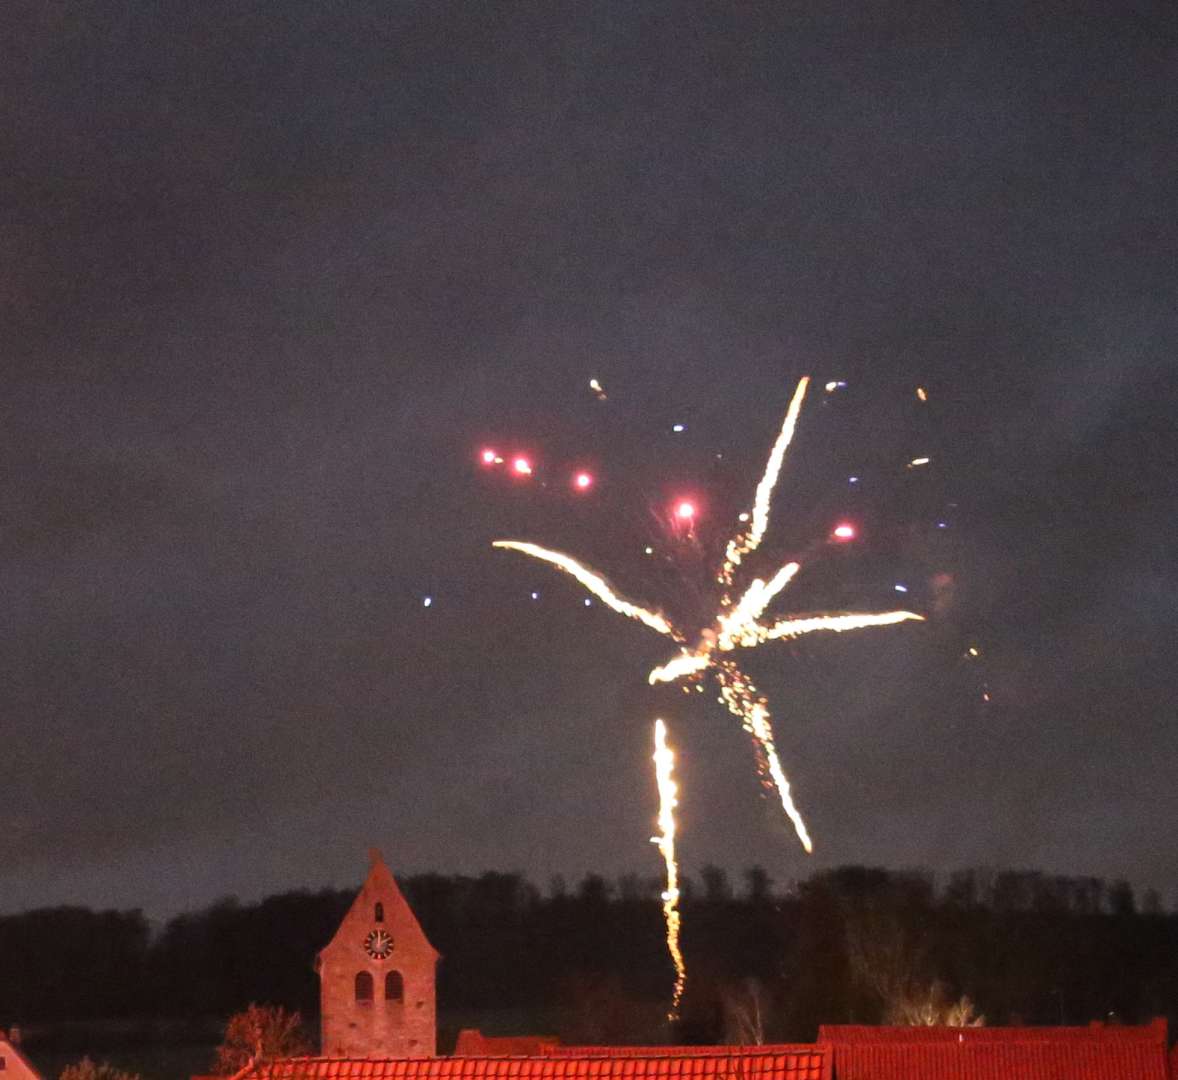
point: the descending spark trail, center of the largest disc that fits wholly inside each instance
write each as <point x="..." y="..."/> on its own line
<point x="664" y="764"/>
<point x="743" y="701"/>
<point x="738" y="625"/>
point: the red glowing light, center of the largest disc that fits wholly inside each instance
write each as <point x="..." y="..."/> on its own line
<point x="583" y="481"/>
<point x="488" y="456"/>
<point x="522" y="466"/>
<point x="844" y="532"/>
<point x="685" y="511"/>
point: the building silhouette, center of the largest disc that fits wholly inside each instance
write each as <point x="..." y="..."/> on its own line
<point x="377" y="977"/>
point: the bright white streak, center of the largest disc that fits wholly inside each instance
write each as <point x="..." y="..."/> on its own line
<point x="664" y="764"/>
<point x="756" y="599"/>
<point x="595" y="583"/>
<point x="788" y="628"/>
<point x="734" y="628"/>
<point x="686" y="663"/>
<point x="739" y="546"/>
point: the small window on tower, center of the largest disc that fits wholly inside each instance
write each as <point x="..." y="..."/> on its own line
<point x="363" y="987"/>
<point x="394" y="987"/>
<point x="379" y="916"/>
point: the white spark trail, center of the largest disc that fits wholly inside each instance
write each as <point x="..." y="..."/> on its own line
<point x="755" y="633"/>
<point x="741" y="545"/>
<point x="752" y="604"/>
<point x="664" y="762"/>
<point x="686" y="663"/>
<point x="742" y="700"/>
<point x="595" y="583"/>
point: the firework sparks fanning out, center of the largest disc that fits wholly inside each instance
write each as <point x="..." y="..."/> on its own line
<point x="738" y="622"/>
<point x="664" y="764"/>
<point x="738" y="625"/>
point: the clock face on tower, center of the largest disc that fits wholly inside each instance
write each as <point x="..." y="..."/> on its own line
<point x="378" y="944"/>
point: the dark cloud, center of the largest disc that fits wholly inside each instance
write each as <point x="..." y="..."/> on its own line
<point x="269" y="277"/>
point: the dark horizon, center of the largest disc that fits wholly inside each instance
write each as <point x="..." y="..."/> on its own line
<point x="590" y="965"/>
<point x="648" y="885"/>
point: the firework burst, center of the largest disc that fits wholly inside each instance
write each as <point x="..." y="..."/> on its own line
<point x="738" y="625"/>
<point x="738" y="622"/>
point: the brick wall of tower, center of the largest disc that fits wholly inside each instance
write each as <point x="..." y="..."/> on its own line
<point x="378" y="1028"/>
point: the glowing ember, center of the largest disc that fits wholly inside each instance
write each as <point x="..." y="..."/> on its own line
<point x="844" y="532"/>
<point x="685" y="511"/>
<point x="522" y="466"/>
<point x="489" y="457"/>
<point x="582" y="481"/>
<point x="664" y="764"/>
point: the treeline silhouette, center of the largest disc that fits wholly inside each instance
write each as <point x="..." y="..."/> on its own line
<point x="588" y="962"/>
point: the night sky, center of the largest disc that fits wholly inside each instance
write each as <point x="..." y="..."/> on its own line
<point x="271" y="275"/>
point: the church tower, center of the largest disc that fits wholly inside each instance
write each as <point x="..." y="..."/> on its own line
<point x="376" y="977"/>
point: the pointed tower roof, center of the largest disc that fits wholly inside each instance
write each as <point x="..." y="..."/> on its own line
<point x="380" y="887"/>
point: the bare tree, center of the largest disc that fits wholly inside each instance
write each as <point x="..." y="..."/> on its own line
<point x="931" y="1006"/>
<point x="891" y="961"/>
<point x="746" y="1007"/>
<point x="89" y="1070"/>
<point x="261" y="1031"/>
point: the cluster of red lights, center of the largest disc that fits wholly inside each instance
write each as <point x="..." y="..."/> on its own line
<point x="520" y="465"/>
<point x="684" y="511"/>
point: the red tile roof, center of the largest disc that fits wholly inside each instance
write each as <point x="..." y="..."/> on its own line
<point x="801" y="1063"/>
<point x="1153" y="1033"/>
<point x="1093" y="1053"/>
<point x="561" y="1050"/>
<point x="997" y="1061"/>
<point x="473" y="1043"/>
